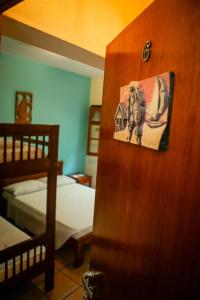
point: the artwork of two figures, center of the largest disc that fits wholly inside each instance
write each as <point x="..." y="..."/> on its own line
<point x="143" y="113"/>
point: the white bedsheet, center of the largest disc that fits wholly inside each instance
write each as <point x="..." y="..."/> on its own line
<point x="10" y="235"/>
<point x="74" y="211"/>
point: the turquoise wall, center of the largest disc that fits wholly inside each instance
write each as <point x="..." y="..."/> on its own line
<point x="59" y="97"/>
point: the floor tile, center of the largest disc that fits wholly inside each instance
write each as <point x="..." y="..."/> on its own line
<point x="41" y="277"/>
<point x="32" y="294"/>
<point x="76" y="295"/>
<point x="59" y="264"/>
<point x="63" y="286"/>
<point x="67" y="280"/>
<point x="64" y="256"/>
<point x="25" y="293"/>
<point x="75" y="273"/>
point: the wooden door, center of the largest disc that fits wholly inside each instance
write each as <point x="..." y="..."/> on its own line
<point x="147" y="211"/>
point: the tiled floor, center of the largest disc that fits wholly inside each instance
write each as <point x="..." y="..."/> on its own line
<point x="67" y="284"/>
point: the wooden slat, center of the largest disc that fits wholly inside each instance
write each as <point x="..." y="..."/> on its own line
<point x="14" y="266"/>
<point x="22" y="168"/>
<point x="34" y="257"/>
<point x="22" y="247"/>
<point x="40" y="252"/>
<point x="29" y="147"/>
<point x="28" y="259"/>
<point x="4" y="149"/>
<point x="21" y="262"/>
<point x="36" y="147"/>
<point x="6" y="270"/>
<point x="43" y="147"/>
<point x="21" y="149"/>
<point x="13" y="148"/>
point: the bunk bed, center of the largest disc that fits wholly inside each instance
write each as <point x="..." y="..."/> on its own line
<point x="27" y="257"/>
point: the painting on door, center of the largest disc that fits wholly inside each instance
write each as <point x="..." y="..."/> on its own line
<point x="143" y="114"/>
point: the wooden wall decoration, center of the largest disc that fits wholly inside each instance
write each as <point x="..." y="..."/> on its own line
<point x="143" y="113"/>
<point x="23" y="108"/>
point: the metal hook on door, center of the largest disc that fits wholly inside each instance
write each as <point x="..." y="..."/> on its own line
<point x="88" y="280"/>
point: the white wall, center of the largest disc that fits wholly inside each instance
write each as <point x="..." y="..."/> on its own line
<point x="96" y="92"/>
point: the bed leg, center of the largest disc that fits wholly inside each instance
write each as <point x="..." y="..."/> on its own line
<point x="79" y="254"/>
<point x="49" y="281"/>
<point x="3" y="207"/>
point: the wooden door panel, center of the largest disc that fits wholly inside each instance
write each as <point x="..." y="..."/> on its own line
<point x="147" y="211"/>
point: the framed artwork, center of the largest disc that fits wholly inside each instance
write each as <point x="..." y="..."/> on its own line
<point x="143" y="113"/>
<point x="23" y="107"/>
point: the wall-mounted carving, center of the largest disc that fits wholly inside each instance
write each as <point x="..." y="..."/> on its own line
<point x="23" y="108"/>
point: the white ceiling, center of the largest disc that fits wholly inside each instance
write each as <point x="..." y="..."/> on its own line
<point x="11" y="46"/>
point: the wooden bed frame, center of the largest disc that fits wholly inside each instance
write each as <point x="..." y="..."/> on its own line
<point x="44" y="137"/>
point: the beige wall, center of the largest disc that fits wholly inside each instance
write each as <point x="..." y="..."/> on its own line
<point x="96" y="92"/>
<point x="90" y="24"/>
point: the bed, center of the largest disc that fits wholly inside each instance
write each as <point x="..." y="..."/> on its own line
<point x="26" y="205"/>
<point x="10" y="235"/>
<point x="27" y="257"/>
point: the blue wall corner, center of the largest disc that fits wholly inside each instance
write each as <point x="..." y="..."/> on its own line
<point x="59" y="97"/>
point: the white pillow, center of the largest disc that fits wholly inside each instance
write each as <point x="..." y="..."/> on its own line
<point x="25" y="187"/>
<point x="61" y="180"/>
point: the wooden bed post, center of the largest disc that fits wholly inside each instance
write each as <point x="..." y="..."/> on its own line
<point x="15" y="169"/>
<point x="51" y="208"/>
<point x="79" y="254"/>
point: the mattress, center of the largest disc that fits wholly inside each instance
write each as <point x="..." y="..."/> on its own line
<point x="9" y="236"/>
<point x="74" y="211"/>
